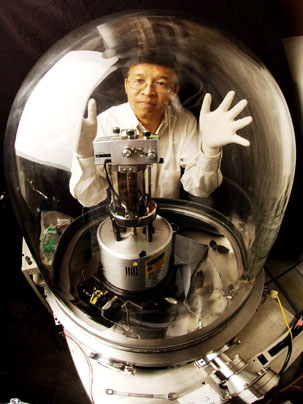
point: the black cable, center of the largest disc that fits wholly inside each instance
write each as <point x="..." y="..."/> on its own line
<point x="108" y="178"/>
<point x="287" y="341"/>
<point x="288" y="355"/>
<point x="285" y="272"/>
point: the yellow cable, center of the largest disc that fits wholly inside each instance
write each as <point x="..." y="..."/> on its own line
<point x="274" y="294"/>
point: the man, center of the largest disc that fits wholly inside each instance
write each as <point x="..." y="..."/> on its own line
<point x="151" y="88"/>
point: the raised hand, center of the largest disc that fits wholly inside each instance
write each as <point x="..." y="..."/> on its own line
<point x="219" y="127"/>
<point x="88" y="131"/>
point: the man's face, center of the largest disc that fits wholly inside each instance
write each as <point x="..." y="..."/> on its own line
<point x="147" y="102"/>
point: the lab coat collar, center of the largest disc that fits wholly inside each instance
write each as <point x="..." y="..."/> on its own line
<point x="171" y="112"/>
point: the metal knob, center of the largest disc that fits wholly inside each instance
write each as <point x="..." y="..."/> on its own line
<point x="130" y="133"/>
<point x="126" y="152"/>
<point x="151" y="155"/>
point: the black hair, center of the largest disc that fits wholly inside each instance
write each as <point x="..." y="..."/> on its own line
<point x="161" y="57"/>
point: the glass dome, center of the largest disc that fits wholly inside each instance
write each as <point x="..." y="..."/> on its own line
<point x="220" y="243"/>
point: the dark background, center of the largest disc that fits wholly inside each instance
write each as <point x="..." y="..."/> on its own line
<point x="34" y="363"/>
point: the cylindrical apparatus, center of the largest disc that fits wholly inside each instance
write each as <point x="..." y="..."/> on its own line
<point x="135" y="244"/>
<point x="133" y="263"/>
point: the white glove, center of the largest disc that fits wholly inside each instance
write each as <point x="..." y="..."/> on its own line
<point x="219" y="127"/>
<point x="88" y="131"/>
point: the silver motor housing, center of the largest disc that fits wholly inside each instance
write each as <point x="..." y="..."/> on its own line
<point x="133" y="264"/>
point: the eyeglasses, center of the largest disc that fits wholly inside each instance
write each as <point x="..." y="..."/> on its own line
<point x="159" y="86"/>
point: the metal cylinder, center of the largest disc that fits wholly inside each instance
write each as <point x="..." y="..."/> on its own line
<point x="133" y="264"/>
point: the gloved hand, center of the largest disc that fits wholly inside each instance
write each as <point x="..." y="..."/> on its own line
<point x="219" y="127"/>
<point x="88" y="131"/>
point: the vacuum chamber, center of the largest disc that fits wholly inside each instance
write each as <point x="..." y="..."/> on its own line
<point x="157" y="289"/>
